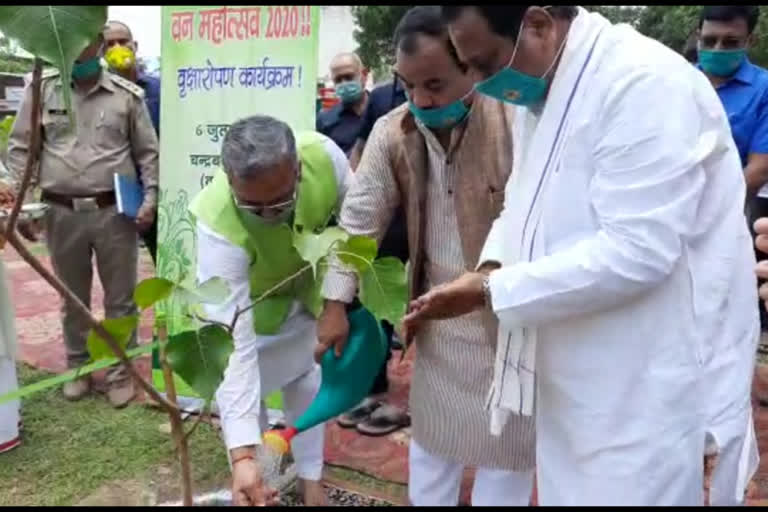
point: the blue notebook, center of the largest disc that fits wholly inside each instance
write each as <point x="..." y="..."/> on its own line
<point x="129" y="195"/>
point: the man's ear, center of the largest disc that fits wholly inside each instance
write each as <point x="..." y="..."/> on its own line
<point x="135" y="47"/>
<point x="364" y="76"/>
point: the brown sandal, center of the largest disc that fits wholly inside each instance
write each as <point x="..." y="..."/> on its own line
<point x="384" y="420"/>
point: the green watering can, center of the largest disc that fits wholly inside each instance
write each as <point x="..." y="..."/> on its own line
<point x="346" y="381"/>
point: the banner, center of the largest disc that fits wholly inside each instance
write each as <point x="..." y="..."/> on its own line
<point x="220" y="64"/>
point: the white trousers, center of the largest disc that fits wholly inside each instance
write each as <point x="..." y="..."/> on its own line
<point x="9" y="411"/>
<point x="307" y="447"/>
<point x="434" y="481"/>
<point x="737" y="461"/>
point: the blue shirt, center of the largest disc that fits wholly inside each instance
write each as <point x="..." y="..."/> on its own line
<point x="151" y="86"/>
<point x="745" y="98"/>
<point x="381" y="100"/>
<point x="340" y="124"/>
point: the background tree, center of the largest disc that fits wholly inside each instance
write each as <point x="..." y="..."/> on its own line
<point x="374" y="37"/>
<point x="670" y="24"/>
<point x="9" y="61"/>
<point x="673" y="24"/>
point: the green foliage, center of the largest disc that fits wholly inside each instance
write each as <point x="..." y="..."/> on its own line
<point x="213" y="291"/>
<point x="153" y="290"/>
<point x="312" y="247"/>
<point x="156" y="289"/>
<point x="200" y="357"/>
<point x="5" y="131"/>
<point x="618" y="13"/>
<point x="55" y="33"/>
<point x="359" y="251"/>
<point x="9" y="62"/>
<point x="384" y="289"/>
<point x="672" y="25"/>
<point x="374" y="37"/>
<point x="120" y="329"/>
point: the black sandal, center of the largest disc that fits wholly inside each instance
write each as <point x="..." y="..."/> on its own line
<point x="360" y="413"/>
<point x="384" y="420"/>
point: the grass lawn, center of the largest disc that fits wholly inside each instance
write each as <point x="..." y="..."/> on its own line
<point x="70" y="450"/>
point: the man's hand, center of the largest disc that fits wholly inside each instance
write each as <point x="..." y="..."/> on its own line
<point x="449" y="300"/>
<point x="761" y="242"/>
<point x="145" y="216"/>
<point x="332" y="329"/>
<point x="248" y="489"/>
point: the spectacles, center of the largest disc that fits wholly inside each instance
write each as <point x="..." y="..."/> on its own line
<point x="261" y="210"/>
<point x="270" y="209"/>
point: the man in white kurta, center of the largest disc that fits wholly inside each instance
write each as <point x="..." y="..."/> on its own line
<point x="262" y="364"/>
<point x="620" y="268"/>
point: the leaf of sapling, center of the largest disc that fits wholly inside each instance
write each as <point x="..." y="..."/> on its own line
<point x="359" y="252"/>
<point x="200" y="357"/>
<point x="121" y="330"/>
<point x="213" y="291"/>
<point x="153" y="290"/>
<point x="384" y="289"/>
<point x="55" y="33"/>
<point x="312" y="247"/>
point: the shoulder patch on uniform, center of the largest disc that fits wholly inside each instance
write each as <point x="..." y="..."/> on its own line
<point x="127" y="85"/>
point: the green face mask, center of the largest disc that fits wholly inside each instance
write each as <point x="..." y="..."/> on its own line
<point x="722" y="63"/>
<point x="86" y="69"/>
<point x="251" y="218"/>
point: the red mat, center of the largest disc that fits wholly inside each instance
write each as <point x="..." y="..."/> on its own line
<point x="40" y="345"/>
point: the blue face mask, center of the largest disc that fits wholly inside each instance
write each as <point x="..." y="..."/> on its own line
<point x="721" y="63"/>
<point x="512" y="86"/>
<point x="444" y="117"/>
<point x="349" y="92"/>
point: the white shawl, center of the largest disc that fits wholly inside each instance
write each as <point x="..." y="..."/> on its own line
<point x="537" y="150"/>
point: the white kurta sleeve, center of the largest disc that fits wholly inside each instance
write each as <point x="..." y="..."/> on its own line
<point x="239" y="395"/>
<point x="646" y="188"/>
<point x="368" y="209"/>
<point x="341" y="168"/>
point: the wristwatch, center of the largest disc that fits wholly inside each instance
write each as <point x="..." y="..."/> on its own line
<point x="487" y="291"/>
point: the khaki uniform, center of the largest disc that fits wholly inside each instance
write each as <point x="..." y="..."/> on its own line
<point x="113" y="134"/>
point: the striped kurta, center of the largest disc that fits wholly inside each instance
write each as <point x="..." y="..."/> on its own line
<point x="454" y="365"/>
<point x="454" y="362"/>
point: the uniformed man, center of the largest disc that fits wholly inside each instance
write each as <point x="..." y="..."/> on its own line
<point x="113" y="134"/>
<point x="120" y="42"/>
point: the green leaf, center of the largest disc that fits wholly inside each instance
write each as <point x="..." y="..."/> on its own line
<point x="364" y="250"/>
<point x="151" y="291"/>
<point x="384" y="289"/>
<point x="55" y="33"/>
<point x="213" y="291"/>
<point x="200" y="358"/>
<point x="312" y="247"/>
<point x="120" y="328"/>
